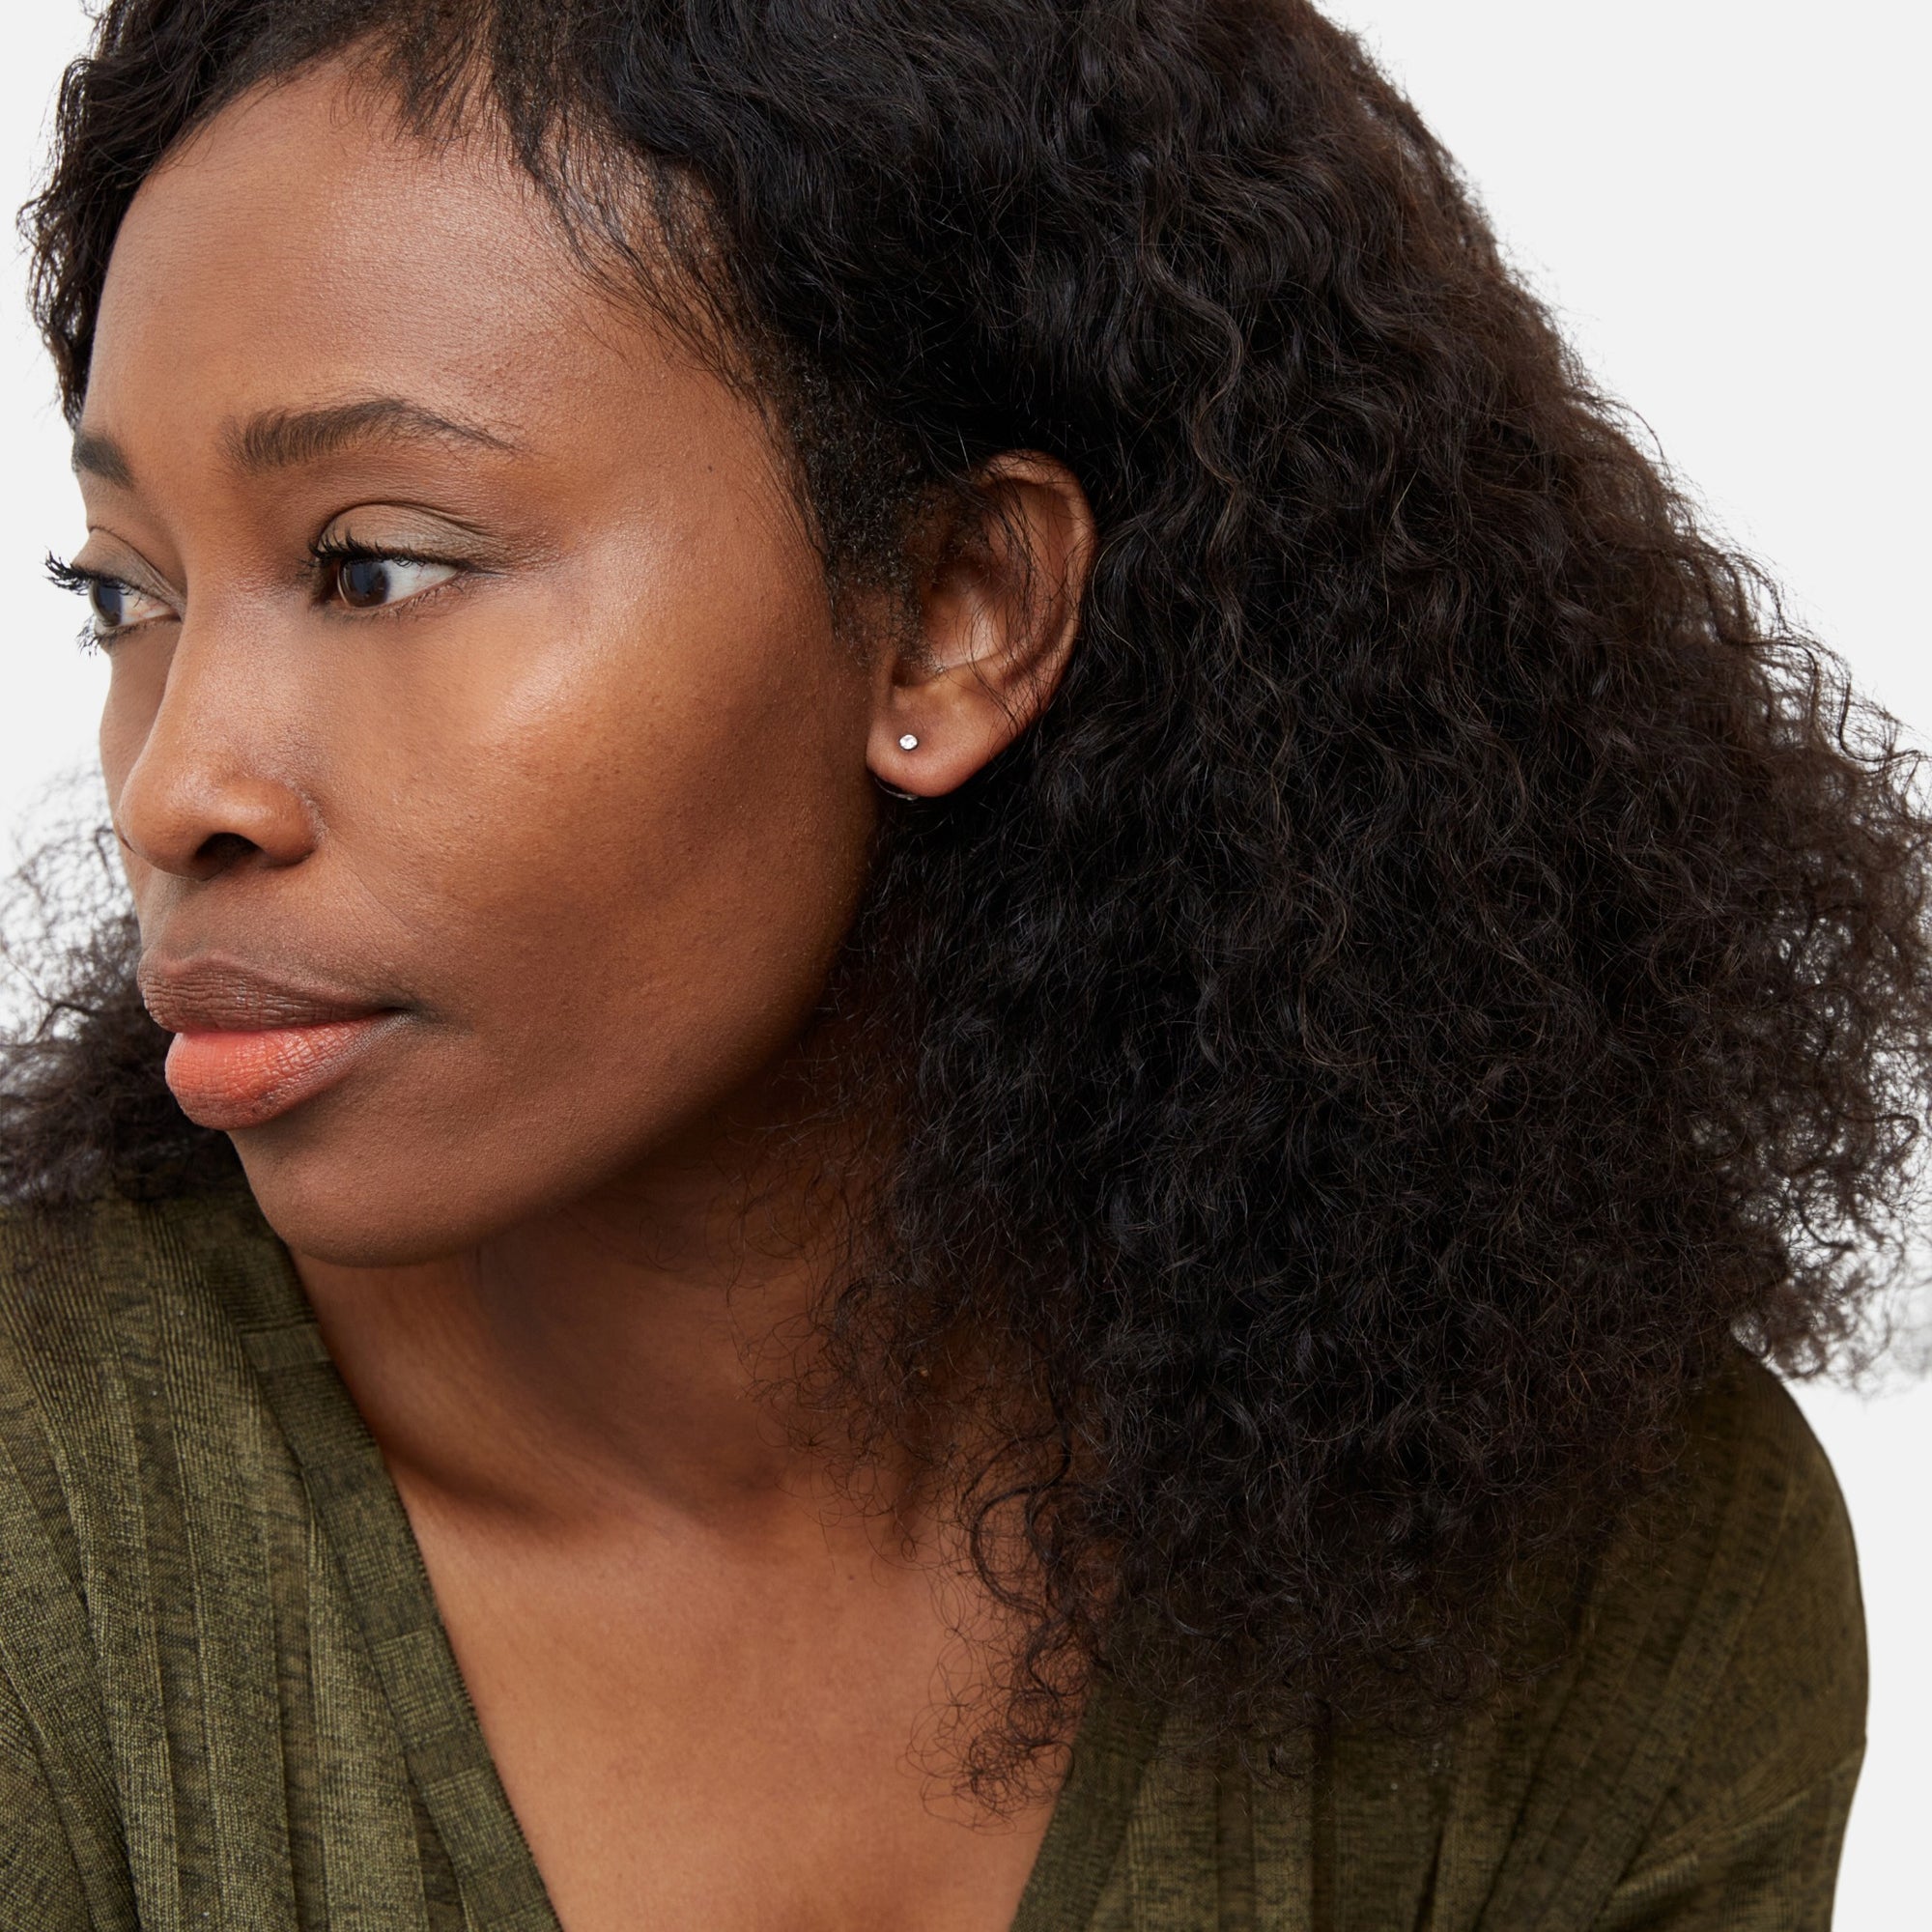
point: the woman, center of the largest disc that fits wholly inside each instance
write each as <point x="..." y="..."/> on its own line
<point x="1007" y="1006"/>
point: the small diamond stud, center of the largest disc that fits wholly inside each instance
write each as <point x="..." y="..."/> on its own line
<point x="908" y="743"/>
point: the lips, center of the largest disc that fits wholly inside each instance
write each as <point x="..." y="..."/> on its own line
<point x="249" y="1046"/>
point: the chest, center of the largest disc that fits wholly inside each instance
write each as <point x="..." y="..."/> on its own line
<point x="691" y="1738"/>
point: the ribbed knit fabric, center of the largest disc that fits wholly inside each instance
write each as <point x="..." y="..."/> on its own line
<point x="227" y="1701"/>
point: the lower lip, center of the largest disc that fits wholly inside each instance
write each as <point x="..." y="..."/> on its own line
<point x="234" y="1079"/>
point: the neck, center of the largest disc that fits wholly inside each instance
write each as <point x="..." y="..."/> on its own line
<point x="615" y="1354"/>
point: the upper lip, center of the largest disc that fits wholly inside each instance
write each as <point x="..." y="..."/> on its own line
<point x="209" y="994"/>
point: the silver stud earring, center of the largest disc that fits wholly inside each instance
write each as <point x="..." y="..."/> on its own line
<point x="908" y="743"/>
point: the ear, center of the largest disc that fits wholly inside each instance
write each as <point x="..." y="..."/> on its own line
<point x="998" y="580"/>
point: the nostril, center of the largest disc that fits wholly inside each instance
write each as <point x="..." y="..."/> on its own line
<point x="223" y="849"/>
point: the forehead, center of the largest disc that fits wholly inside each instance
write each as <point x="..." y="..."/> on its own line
<point x="299" y="244"/>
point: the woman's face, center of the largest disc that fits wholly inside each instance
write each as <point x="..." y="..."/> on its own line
<point x="570" y="793"/>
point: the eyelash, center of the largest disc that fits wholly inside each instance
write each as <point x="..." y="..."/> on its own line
<point x="65" y="576"/>
<point x="328" y="551"/>
<point x="324" y="555"/>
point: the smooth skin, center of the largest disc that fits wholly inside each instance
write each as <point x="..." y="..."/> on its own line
<point x="584" y="798"/>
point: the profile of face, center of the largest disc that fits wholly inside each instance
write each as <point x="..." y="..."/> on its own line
<point x="478" y="722"/>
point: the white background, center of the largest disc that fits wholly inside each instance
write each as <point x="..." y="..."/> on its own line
<point x="1726" y="200"/>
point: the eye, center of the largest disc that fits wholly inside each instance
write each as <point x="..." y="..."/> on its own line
<point x="366" y="582"/>
<point x="119" y="607"/>
<point x="114" y="605"/>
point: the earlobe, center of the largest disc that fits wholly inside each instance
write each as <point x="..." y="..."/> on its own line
<point x="999" y="592"/>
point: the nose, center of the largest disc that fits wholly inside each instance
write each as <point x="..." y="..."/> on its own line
<point x="207" y="791"/>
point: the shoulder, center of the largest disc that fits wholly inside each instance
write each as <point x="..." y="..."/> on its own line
<point x="1748" y="1565"/>
<point x="1756" y="1573"/>
<point x="122" y="1371"/>
<point x="153" y="1533"/>
<point x="1692" y="1763"/>
<point x="1726" y="1612"/>
<point x="1689" y="1761"/>
<point x="81" y="1278"/>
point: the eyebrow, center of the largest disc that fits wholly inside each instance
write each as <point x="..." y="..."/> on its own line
<point x="284" y="438"/>
<point x="98" y="455"/>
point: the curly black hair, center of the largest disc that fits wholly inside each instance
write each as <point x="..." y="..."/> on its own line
<point x="1448" y="967"/>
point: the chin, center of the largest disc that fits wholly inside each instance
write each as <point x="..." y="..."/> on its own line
<point x="363" y="1207"/>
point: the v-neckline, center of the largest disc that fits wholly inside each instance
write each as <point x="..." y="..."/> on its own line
<point x="369" y="1535"/>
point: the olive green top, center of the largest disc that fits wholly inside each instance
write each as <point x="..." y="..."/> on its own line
<point x="227" y="1701"/>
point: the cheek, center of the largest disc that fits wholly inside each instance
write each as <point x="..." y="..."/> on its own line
<point x="137" y="677"/>
<point x="621" y="846"/>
